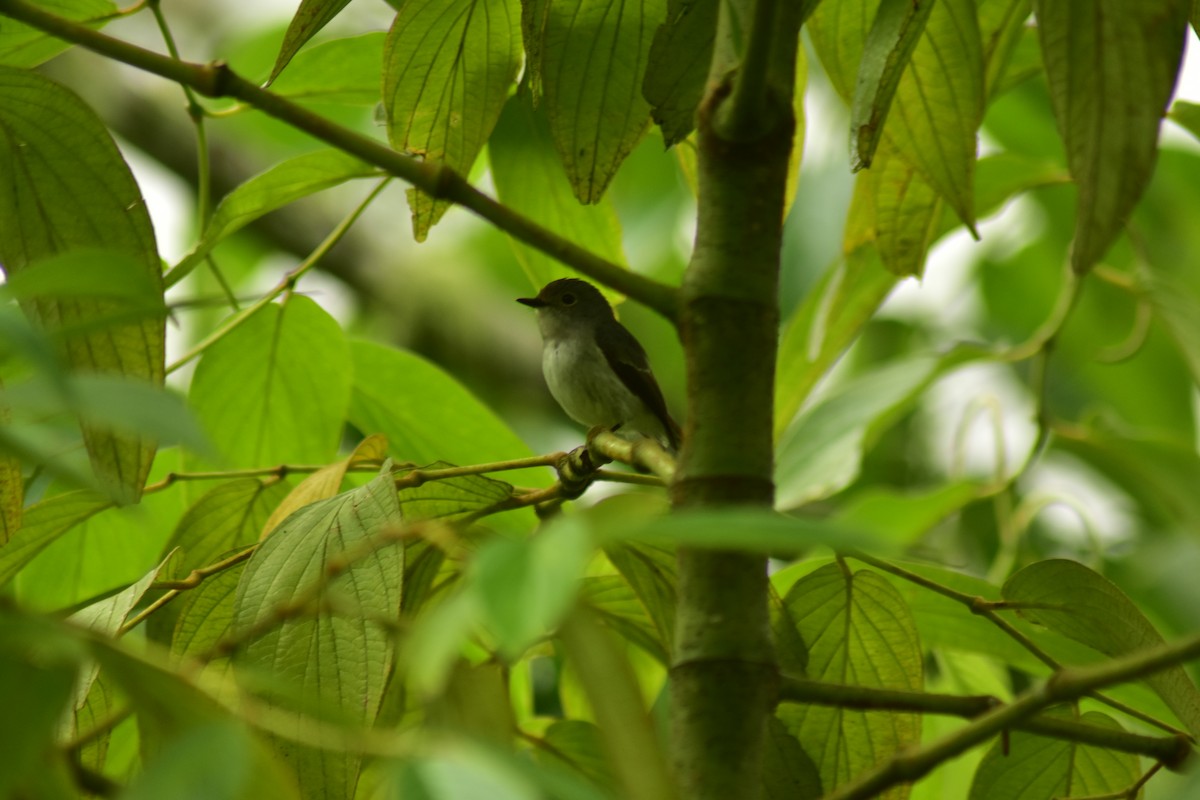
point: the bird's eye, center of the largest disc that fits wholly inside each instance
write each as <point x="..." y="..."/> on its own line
<point x="568" y="299"/>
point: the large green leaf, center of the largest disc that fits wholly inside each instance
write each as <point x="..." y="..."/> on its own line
<point x="523" y="588"/>
<point x="38" y="667"/>
<point x="1111" y="66"/>
<point x="529" y="178"/>
<point x="310" y="18"/>
<point x="650" y="571"/>
<point x="858" y="631"/>
<point x="1087" y="607"/>
<point x="44" y="522"/>
<point x="618" y="608"/>
<point x="452" y="497"/>
<point x="894" y="33"/>
<point x="427" y="415"/>
<point x="221" y="760"/>
<point x="340" y="661"/>
<point x="593" y="63"/>
<point x="107" y="617"/>
<point x="447" y="69"/>
<point x="822" y="452"/>
<point x="905" y="210"/>
<point x="283" y="183"/>
<point x="205" y="617"/>
<point x="678" y="65"/>
<point x="939" y="105"/>
<point x="228" y="516"/>
<point x="829" y="319"/>
<point x="1039" y="768"/>
<point x="788" y="772"/>
<point x="1001" y="29"/>
<point x="66" y="187"/>
<point x="340" y="71"/>
<point x="938" y="101"/>
<point x="275" y="389"/>
<point x="23" y="46"/>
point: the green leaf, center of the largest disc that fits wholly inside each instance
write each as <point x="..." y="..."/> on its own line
<point x="206" y="617"/>
<point x="221" y="760"/>
<point x="650" y="572"/>
<point x="1032" y="767"/>
<point x="939" y="105"/>
<point x="283" y="183"/>
<point x="593" y="64"/>
<point x="452" y="497"/>
<point x="749" y="530"/>
<point x="1160" y="474"/>
<point x="89" y="273"/>
<point x="831" y="316"/>
<point x="458" y="769"/>
<point x="327" y="481"/>
<point x="902" y="517"/>
<point x="839" y="34"/>
<point x="1111" y="67"/>
<point x="106" y="618"/>
<point x="788" y="772"/>
<point x="1002" y="29"/>
<point x="427" y="415"/>
<point x="111" y="403"/>
<point x="310" y="18"/>
<point x="938" y="102"/>
<point x="341" y="661"/>
<point x="44" y="522"/>
<point x="227" y="517"/>
<point x="859" y="632"/>
<point x="822" y="452"/>
<point x="23" y="46"/>
<point x="605" y="673"/>
<point x="905" y="210"/>
<point x="578" y="745"/>
<point x="340" y="71"/>
<point x="894" y="34"/>
<point x="529" y="178"/>
<point x="533" y="33"/>
<point x="275" y="389"/>
<point x="1177" y="307"/>
<point x="38" y="664"/>
<point x="1085" y="606"/>
<point x="620" y="610"/>
<point x="677" y="69"/>
<point x="1187" y="115"/>
<point x="447" y="69"/>
<point x="67" y="188"/>
<point x="523" y="588"/>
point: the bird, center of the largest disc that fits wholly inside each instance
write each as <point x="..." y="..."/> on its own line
<point x="595" y="368"/>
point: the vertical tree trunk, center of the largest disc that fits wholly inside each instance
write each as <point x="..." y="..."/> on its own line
<point x="724" y="677"/>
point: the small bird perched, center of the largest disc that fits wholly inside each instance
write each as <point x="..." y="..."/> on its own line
<point x="595" y="368"/>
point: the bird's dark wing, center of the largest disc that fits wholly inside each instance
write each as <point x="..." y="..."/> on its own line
<point x="633" y="368"/>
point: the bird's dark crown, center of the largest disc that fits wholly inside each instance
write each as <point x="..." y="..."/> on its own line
<point x="568" y="292"/>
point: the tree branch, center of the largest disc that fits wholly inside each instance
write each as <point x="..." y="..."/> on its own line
<point x="1169" y="749"/>
<point x="1069" y="684"/>
<point x="218" y="80"/>
<point x="983" y="607"/>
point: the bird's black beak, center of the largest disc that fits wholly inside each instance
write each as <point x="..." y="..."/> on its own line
<point x="532" y="302"/>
